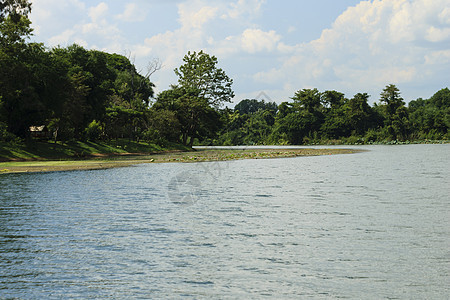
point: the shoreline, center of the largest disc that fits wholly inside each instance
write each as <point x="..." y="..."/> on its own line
<point x="118" y="161"/>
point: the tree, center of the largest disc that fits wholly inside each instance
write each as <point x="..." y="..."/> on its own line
<point x="14" y="73"/>
<point x="14" y="25"/>
<point x="334" y="125"/>
<point x="333" y="99"/>
<point x="441" y="99"/>
<point x="308" y="99"/>
<point x="92" y="82"/>
<point x="390" y="97"/>
<point x="308" y="107"/>
<point x="359" y="115"/>
<point x="199" y="72"/>
<point x="395" y="113"/>
<point x="196" y="118"/>
<point x="250" y="106"/>
<point x="17" y="7"/>
<point x="133" y="88"/>
<point x="430" y="119"/>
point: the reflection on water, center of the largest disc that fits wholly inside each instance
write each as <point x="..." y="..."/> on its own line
<point x="367" y="225"/>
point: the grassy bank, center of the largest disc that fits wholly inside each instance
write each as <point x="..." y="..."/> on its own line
<point x="39" y="150"/>
<point x="167" y="157"/>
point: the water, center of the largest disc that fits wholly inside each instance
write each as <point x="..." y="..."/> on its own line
<point x="367" y="225"/>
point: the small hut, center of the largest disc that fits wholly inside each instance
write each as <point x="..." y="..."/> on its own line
<point x="40" y="132"/>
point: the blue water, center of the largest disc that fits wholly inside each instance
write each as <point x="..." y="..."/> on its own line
<point x="368" y="225"/>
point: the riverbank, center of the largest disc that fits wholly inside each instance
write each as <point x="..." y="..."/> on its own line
<point x="123" y="160"/>
<point x="47" y="150"/>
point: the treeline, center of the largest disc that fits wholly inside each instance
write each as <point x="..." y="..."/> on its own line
<point x="76" y="93"/>
<point x="81" y="94"/>
<point x="330" y="117"/>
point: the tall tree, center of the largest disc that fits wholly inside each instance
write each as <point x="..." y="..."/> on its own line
<point x="16" y="90"/>
<point x="333" y="99"/>
<point x="200" y="72"/>
<point x="309" y="109"/>
<point x="251" y="106"/>
<point x="430" y="119"/>
<point x="395" y="113"/>
<point x="196" y="117"/>
<point x="390" y="96"/>
<point x="19" y="7"/>
<point x="334" y="123"/>
<point x="359" y="115"/>
<point x="308" y="99"/>
<point x="14" y="25"/>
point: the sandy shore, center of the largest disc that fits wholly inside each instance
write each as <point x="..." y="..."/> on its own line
<point x="178" y="157"/>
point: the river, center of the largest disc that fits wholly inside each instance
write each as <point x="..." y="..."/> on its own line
<point x="369" y="225"/>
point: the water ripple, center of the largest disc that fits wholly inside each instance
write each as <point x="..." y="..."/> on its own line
<point x="368" y="225"/>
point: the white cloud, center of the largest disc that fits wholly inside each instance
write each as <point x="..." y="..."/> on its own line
<point x="63" y="38"/>
<point x="256" y="40"/>
<point x="370" y="45"/>
<point x="243" y="8"/>
<point x="437" y="34"/>
<point x="250" y="41"/>
<point x="195" y="15"/>
<point x="98" y="12"/>
<point x="51" y="12"/>
<point x="132" y="13"/>
<point x="438" y="57"/>
<point x="89" y="26"/>
<point x="171" y="46"/>
<point x="444" y="16"/>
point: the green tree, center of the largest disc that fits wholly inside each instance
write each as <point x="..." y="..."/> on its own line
<point x="17" y="7"/>
<point x="309" y="110"/>
<point x="15" y="91"/>
<point x="395" y="113"/>
<point x="334" y="124"/>
<point x="250" y="106"/>
<point x="441" y="99"/>
<point x="200" y="72"/>
<point x="430" y="119"/>
<point x="359" y="114"/>
<point x="127" y="109"/>
<point x="14" y="22"/>
<point x="132" y="87"/>
<point x="309" y="100"/>
<point x="332" y="99"/>
<point x="163" y="126"/>
<point x="195" y="115"/>
<point x="252" y="128"/>
<point x="72" y="122"/>
<point x="289" y="128"/>
<point x="390" y="97"/>
<point x="92" y="82"/>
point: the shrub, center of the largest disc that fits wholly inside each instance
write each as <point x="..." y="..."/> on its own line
<point x="94" y="130"/>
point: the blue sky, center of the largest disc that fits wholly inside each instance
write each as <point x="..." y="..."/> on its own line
<point x="277" y="47"/>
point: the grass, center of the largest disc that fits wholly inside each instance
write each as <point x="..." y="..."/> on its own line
<point x="40" y="150"/>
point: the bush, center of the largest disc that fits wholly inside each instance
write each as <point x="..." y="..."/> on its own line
<point x="372" y="136"/>
<point x="94" y="130"/>
<point x="6" y="136"/>
<point x="154" y="136"/>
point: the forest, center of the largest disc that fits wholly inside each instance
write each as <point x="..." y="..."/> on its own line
<point x="78" y="94"/>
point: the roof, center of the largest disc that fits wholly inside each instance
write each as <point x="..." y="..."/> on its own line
<point x="38" y="128"/>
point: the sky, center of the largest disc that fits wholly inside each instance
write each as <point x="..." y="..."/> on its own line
<point x="274" y="47"/>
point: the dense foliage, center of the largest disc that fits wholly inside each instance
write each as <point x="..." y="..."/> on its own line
<point x="81" y="94"/>
<point x="329" y="117"/>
